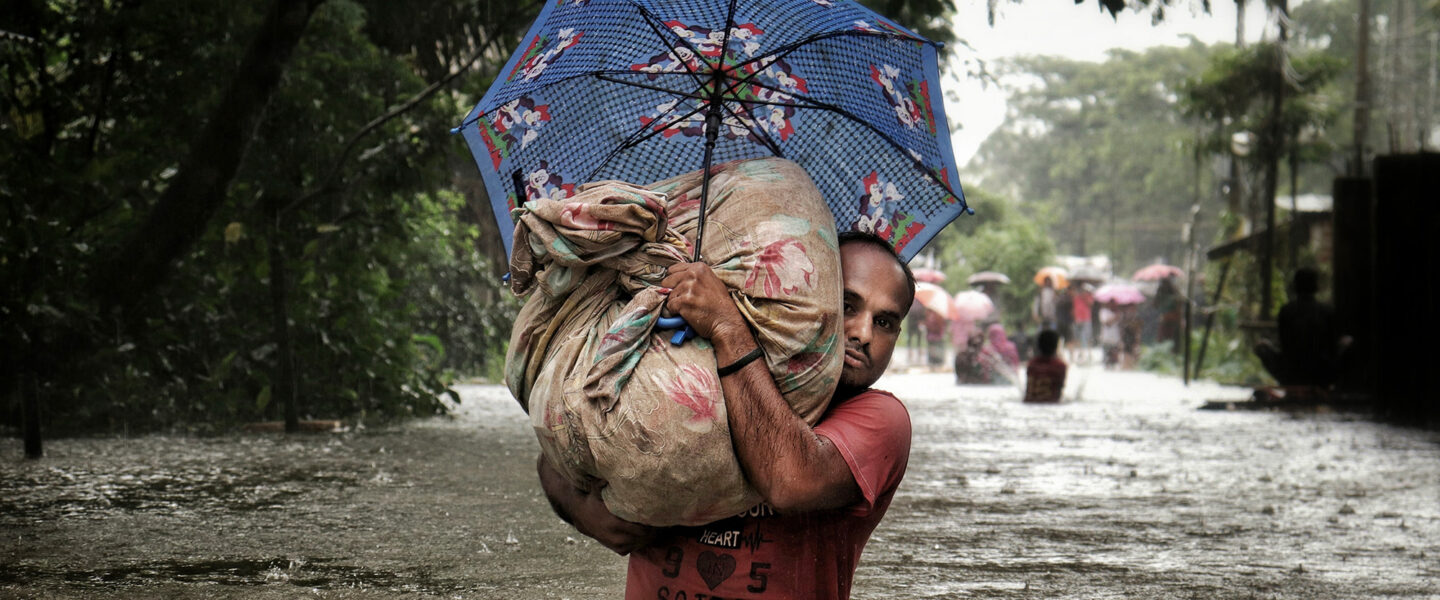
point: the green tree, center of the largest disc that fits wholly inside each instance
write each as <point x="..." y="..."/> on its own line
<point x="333" y="232"/>
<point x="1003" y="237"/>
<point x="1275" y="95"/>
<point x="1404" y="101"/>
<point x="1102" y="147"/>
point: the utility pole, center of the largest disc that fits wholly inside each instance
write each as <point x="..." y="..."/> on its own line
<point x="1236" y="192"/>
<point x="1272" y="148"/>
<point x="1239" y="23"/>
<point x="1429" y="99"/>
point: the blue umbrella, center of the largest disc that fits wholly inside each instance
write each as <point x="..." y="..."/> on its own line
<point x="643" y="90"/>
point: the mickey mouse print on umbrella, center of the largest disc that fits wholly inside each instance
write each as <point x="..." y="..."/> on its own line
<point x="643" y="90"/>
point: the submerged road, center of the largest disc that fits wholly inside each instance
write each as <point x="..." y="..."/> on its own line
<point x="1124" y="491"/>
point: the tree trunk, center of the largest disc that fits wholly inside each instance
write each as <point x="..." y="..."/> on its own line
<point x="1239" y="23"/>
<point x="465" y="177"/>
<point x="1292" y="260"/>
<point x="1275" y="133"/>
<point x="30" y="415"/>
<point x="1362" y="91"/>
<point x="283" y="388"/>
<point x="200" y="185"/>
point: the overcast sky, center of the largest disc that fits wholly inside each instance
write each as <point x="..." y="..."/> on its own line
<point x="1060" y="27"/>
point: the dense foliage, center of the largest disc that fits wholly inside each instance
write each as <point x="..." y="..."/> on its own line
<point x="999" y="237"/>
<point x="1113" y="156"/>
<point x="1103" y="148"/>
<point x="381" y="294"/>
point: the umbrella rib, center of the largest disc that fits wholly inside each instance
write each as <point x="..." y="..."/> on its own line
<point x="692" y="95"/>
<point x="635" y="139"/>
<point x="763" y="134"/>
<point x="746" y="81"/>
<point x="652" y="21"/>
<point x="682" y="94"/>
<point x="784" y="50"/>
<point x="725" y="39"/>
<point x="780" y="52"/>
<point x="918" y="165"/>
<point x="558" y="81"/>
<point x="819" y="105"/>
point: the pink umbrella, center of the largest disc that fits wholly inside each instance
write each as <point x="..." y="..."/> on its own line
<point x="987" y="277"/>
<point x="1158" y="272"/>
<point x="934" y="298"/>
<point x="928" y="275"/>
<point x="972" y="306"/>
<point x="1119" y="293"/>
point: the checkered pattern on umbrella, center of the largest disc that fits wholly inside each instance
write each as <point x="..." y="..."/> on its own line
<point x="621" y="89"/>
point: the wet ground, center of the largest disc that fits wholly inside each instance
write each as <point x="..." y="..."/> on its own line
<point x="1124" y="491"/>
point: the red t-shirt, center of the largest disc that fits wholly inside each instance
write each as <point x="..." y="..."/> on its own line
<point x="763" y="555"/>
<point x="1044" y="379"/>
<point x="1080" y="308"/>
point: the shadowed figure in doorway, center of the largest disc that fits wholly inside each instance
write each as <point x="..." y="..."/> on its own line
<point x="1310" y="349"/>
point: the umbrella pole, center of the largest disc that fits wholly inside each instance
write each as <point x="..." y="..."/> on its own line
<point x="712" y="133"/>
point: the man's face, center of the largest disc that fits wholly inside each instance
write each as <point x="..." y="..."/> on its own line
<point x="875" y="291"/>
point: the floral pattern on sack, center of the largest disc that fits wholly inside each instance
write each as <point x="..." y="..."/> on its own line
<point x="697" y="389"/>
<point x="781" y="268"/>
<point x="782" y="226"/>
<point x="758" y="170"/>
<point x="577" y="215"/>
<point x="806" y="359"/>
<point x="628" y="336"/>
<point x="554" y="418"/>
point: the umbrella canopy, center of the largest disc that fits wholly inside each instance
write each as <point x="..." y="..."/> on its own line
<point x="928" y="275"/>
<point x="934" y="298"/>
<point x="972" y="306"/>
<point x="643" y="90"/>
<point x="987" y="277"/>
<point x="1119" y="293"/>
<point x="1158" y="272"/>
<point x="1087" y="276"/>
<point x="1056" y="274"/>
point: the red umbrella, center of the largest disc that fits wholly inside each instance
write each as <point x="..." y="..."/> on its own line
<point x="1158" y="272"/>
<point x="928" y="275"/>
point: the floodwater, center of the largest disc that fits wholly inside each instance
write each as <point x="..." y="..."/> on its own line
<point x="1124" y="491"/>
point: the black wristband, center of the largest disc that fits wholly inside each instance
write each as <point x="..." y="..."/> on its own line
<point x="740" y="362"/>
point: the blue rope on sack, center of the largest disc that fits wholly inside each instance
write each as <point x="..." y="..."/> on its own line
<point x="680" y="336"/>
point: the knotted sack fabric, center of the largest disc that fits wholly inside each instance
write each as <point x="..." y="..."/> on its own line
<point x="610" y="398"/>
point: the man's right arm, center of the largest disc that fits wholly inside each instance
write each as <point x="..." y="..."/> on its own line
<point x="586" y="511"/>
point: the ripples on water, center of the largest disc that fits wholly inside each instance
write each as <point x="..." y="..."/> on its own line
<point x="1126" y="490"/>
<point x="99" y="478"/>
<point x="1126" y="486"/>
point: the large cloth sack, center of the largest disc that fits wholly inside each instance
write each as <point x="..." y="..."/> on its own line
<point x="609" y="396"/>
